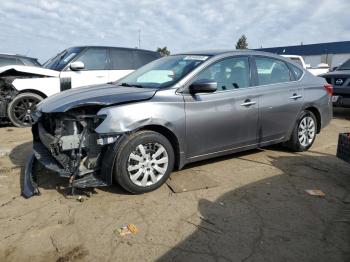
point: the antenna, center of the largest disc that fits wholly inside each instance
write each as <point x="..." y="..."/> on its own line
<point x="139" y="38"/>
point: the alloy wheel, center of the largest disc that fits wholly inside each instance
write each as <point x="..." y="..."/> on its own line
<point x="23" y="108"/>
<point x="306" y="131"/>
<point x="147" y="164"/>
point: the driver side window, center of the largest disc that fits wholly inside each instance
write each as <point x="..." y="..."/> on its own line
<point x="94" y="59"/>
<point x="231" y="73"/>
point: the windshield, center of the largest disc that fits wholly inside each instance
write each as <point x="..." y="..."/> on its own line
<point x="345" y="65"/>
<point x="163" y="72"/>
<point x="62" y="59"/>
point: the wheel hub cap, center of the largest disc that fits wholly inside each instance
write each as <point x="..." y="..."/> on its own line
<point x="306" y="131"/>
<point x="147" y="164"/>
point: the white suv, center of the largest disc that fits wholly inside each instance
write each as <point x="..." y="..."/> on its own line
<point x="22" y="87"/>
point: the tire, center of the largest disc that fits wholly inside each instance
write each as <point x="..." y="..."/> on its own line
<point x="144" y="175"/>
<point x="296" y="142"/>
<point x="20" y="108"/>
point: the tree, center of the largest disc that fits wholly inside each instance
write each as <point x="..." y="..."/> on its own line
<point x="242" y="43"/>
<point x="163" y="51"/>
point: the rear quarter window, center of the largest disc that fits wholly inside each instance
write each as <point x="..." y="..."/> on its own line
<point x="297" y="71"/>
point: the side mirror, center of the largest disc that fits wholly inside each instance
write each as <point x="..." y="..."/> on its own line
<point x="77" y="65"/>
<point x="307" y="65"/>
<point x="203" y="86"/>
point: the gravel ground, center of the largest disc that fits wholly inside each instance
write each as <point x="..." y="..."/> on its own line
<point x="259" y="212"/>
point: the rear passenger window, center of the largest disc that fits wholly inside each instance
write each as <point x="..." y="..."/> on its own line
<point x="122" y="59"/>
<point x="272" y="71"/>
<point x="231" y="73"/>
<point x="297" y="72"/>
<point x="94" y="59"/>
<point x="141" y="58"/>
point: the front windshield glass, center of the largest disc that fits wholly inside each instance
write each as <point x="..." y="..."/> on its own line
<point x="345" y="65"/>
<point x="62" y="59"/>
<point x="163" y="72"/>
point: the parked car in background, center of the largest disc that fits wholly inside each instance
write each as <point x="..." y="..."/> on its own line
<point x="8" y="59"/>
<point x="340" y="79"/>
<point x="22" y="87"/>
<point x="320" y="69"/>
<point x="173" y="111"/>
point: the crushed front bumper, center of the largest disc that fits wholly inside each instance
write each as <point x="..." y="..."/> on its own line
<point x="101" y="176"/>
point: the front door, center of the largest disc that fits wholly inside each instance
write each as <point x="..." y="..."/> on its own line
<point x="227" y="118"/>
<point x="95" y="71"/>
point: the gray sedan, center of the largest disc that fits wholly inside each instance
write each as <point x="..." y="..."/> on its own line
<point x="173" y="111"/>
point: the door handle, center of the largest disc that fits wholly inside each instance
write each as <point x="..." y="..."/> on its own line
<point x="296" y="96"/>
<point x="248" y="103"/>
<point x="100" y="76"/>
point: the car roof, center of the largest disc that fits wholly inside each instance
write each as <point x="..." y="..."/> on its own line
<point x="233" y="52"/>
<point x="17" y="56"/>
<point x="116" y="47"/>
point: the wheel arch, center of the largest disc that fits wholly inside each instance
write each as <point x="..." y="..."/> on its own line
<point x="317" y="114"/>
<point x="37" y="92"/>
<point x="170" y="136"/>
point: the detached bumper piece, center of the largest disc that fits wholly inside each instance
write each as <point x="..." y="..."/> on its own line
<point x="29" y="185"/>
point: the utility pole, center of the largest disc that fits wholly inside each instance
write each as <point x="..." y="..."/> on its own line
<point x="139" y="39"/>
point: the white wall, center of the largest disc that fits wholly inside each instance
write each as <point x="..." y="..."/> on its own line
<point x="333" y="60"/>
<point x="339" y="59"/>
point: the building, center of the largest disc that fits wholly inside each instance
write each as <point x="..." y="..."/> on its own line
<point x="334" y="53"/>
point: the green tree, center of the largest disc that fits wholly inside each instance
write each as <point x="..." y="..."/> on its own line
<point x="242" y="43"/>
<point x="163" y="51"/>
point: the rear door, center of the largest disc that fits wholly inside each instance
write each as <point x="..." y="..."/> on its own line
<point x="227" y="118"/>
<point x="96" y="62"/>
<point x="280" y="98"/>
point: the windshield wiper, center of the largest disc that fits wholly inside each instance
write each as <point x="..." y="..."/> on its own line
<point x="131" y="85"/>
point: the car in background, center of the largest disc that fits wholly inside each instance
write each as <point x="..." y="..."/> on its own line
<point x="22" y="87"/>
<point x="9" y="59"/>
<point x="320" y="69"/>
<point x="173" y="111"/>
<point x="340" y="79"/>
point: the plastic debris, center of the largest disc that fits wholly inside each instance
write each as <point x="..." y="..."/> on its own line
<point x="128" y="229"/>
<point x="315" y="192"/>
<point x="80" y="199"/>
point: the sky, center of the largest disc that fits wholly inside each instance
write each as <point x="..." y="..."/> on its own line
<point x="42" y="28"/>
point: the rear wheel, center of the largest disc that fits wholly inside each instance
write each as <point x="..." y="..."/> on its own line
<point x="20" y="108"/>
<point x="144" y="162"/>
<point x="304" y="132"/>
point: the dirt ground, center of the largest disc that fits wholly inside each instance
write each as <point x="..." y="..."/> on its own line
<point x="259" y="212"/>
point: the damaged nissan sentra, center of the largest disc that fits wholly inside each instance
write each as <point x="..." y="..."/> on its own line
<point x="173" y="111"/>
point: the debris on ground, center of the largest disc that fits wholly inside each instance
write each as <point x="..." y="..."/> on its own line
<point x="222" y="204"/>
<point x="128" y="229"/>
<point x="315" y="192"/>
<point x="80" y="199"/>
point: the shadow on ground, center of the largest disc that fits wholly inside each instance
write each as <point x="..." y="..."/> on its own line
<point x="275" y="219"/>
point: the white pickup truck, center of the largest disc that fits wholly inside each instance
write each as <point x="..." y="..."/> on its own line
<point x="320" y="69"/>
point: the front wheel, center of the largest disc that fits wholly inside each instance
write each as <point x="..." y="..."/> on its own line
<point x="20" y="108"/>
<point x="304" y="132"/>
<point x="144" y="162"/>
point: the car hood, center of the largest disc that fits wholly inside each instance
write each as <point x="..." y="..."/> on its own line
<point x="337" y="73"/>
<point x="100" y="95"/>
<point x="13" y="70"/>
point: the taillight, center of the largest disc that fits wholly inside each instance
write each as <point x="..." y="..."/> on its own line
<point x="329" y="89"/>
